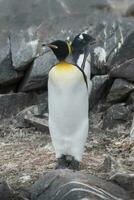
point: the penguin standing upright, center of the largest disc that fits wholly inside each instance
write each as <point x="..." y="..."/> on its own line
<point x="87" y="56"/>
<point x="81" y="54"/>
<point x="68" y="108"/>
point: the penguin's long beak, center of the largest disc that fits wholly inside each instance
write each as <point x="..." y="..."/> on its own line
<point x="96" y="40"/>
<point x="52" y="46"/>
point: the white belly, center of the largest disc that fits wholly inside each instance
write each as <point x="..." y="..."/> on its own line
<point x="68" y="111"/>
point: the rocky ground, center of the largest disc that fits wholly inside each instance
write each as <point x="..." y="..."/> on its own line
<point x="27" y="153"/>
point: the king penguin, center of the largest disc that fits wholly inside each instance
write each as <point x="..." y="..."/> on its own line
<point x="68" y="107"/>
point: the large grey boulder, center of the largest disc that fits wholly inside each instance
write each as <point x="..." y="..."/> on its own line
<point x="36" y="76"/>
<point x="8" y="75"/>
<point x="5" y="193"/>
<point x="124" y="70"/>
<point x="111" y="34"/>
<point x="116" y="115"/>
<point x="24" y="48"/>
<point x="69" y="185"/>
<point x="126" y="52"/>
<point x="11" y="104"/>
<point x="120" y="90"/>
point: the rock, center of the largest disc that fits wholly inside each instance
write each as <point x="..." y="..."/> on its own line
<point x="21" y="194"/>
<point x="120" y="6"/>
<point x="99" y="71"/>
<point x="24" y="49"/>
<point x="5" y="193"/>
<point x="42" y="101"/>
<point x="40" y="10"/>
<point x="70" y="185"/>
<point x="115" y="115"/>
<point x="99" y="87"/>
<point x="112" y="34"/>
<point x="131" y="98"/>
<point x="20" y="117"/>
<point x="36" y="77"/>
<point x="41" y="124"/>
<point x="126" y="52"/>
<point x="130" y="11"/>
<point x="11" y="104"/>
<point x="67" y="22"/>
<point x="125" y="180"/>
<point x="106" y="166"/>
<point x="8" y="75"/>
<point x="4" y="89"/>
<point x="120" y="90"/>
<point x="33" y="116"/>
<point x="98" y="61"/>
<point x="132" y="130"/>
<point x="124" y="70"/>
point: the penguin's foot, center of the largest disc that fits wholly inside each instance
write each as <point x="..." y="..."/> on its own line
<point x="61" y="163"/>
<point x="72" y="163"/>
<point x="67" y="161"/>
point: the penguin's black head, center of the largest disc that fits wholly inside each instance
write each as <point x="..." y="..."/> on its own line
<point x="81" y="41"/>
<point x="60" y="48"/>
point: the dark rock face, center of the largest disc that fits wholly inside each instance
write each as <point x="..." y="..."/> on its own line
<point x="115" y="115"/>
<point x="37" y="75"/>
<point x="126" y="52"/>
<point x="124" y="70"/>
<point x="130" y="11"/>
<point x="5" y="193"/>
<point x="42" y="99"/>
<point x="23" y="48"/>
<point x="99" y="87"/>
<point x="7" y="73"/>
<point x="11" y="104"/>
<point x="131" y="98"/>
<point x="69" y="185"/>
<point x="120" y="90"/>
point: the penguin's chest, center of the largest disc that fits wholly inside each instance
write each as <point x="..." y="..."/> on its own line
<point x="65" y="77"/>
<point x="67" y="92"/>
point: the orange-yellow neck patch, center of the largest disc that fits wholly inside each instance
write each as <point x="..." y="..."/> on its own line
<point x="64" y="66"/>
